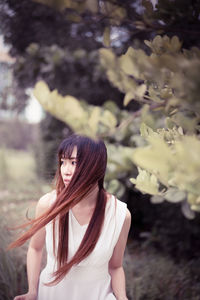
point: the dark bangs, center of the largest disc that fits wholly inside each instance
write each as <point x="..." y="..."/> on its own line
<point x="65" y="149"/>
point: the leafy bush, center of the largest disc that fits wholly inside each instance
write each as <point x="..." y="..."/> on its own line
<point x="12" y="268"/>
<point x="151" y="276"/>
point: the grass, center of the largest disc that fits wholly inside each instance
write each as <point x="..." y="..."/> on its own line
<point x="19" y="191"/>
<point x="153" y="276"/>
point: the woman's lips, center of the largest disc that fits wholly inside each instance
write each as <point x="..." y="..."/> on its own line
<point x="66" y="180"/>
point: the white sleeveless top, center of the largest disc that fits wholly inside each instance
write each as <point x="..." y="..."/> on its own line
<point x="90" y="279"/>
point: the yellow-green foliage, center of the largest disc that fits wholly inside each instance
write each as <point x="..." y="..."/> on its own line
<point x="168" y="74"/>
<point x="173" y="159"/>
<point x="168" y="80"/>
<point x="167" y="85"/>
<point x="113" y="12"/>
<point x="146" y="182"/>
<point x="87" y="119"/>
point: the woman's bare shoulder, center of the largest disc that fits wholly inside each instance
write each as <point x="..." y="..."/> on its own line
<point x="45" y="201"/>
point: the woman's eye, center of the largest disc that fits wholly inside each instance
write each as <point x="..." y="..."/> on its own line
<point x="74" y="162"/>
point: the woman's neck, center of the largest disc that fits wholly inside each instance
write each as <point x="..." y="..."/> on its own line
<point x="90" y="199"/>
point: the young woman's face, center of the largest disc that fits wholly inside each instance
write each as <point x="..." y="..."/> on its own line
<point x="68" y="166"/>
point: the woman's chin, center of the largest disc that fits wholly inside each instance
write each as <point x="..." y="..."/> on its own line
<point x="66" y="183"/>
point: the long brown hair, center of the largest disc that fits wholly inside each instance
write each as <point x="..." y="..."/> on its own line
<point x="89" y="171"/>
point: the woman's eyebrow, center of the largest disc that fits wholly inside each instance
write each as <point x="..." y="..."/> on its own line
<point x="69" y="157"/>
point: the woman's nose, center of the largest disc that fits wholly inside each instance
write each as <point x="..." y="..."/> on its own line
<point x="68" y="169"/>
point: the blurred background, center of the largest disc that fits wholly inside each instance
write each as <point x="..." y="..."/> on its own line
<point x="125" y="71"/>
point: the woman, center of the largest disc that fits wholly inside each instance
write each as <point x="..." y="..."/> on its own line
<point x="85" y="228"/>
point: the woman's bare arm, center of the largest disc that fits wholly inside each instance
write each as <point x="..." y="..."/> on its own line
<point x="116" y="262"/>
<point x="34" y="254"/>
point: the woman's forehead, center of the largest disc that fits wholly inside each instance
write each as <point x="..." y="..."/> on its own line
<point x="69" y="152"/>
<point x="74" y="152"/>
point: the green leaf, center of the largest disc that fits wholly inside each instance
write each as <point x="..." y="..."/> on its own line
<point x="127" y="63"/>
<point x="188" y="123"/>
<point x="186" y="210"/>
<point x="94" y="119"/>
<point x="106" y="37"/>
<point x="140" y="91"/>
<point x="132" y="62"/>
<point x="146" y="131"/>
<point x="156" y="159"/>
<point x="175" y="44"/>
<point x="169" y="123"/>
<point x="157" y="44"/>
<point x="156" y="199"/>
<point x="108" y="119"/>
<point x="146" y="182"/>
<point x="107" y="58"/>
<point x="70" y="110"/>
<point x="195" y="208"/>
<point x="92" y="5"/>
<point x="32" y="49"/>
<point x="128" y="97"/>
<point x="174" y="195"/>
<point x="147" y="118"/>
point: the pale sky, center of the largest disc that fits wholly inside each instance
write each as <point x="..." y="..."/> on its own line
<point x="154" y="2"/>
<point x="4" y="56"/>
<point x="34" y="111"/>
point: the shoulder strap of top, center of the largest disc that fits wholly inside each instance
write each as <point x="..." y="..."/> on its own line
<point x="117" y="211"/>
<point x="120" y="215"/>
